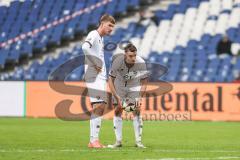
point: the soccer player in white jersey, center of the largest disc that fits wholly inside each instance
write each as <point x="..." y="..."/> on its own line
<point x="95" y="75"/>
<point x="127" y="79"/>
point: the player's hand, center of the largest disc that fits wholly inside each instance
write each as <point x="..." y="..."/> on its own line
<point x="139" y="102"/>
<point x="119" y="102"/>
<point x="119" y="109"/>
<point x="99" y="69"/>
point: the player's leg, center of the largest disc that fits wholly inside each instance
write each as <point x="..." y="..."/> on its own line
<point x="138" y="127"/>
<point x="137" y="121"/>
<point x="117" y="125"/>
<point x="117" y="118"/>
<point x="117" y="122"/>
<point x="95" y="123"/>
<point x="97" y="99"/>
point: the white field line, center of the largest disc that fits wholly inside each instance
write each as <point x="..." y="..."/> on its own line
<point x="197" y="158"/>
<point x="117" y="150"/>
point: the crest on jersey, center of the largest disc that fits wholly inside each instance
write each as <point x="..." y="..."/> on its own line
<point x="130" y="75"/>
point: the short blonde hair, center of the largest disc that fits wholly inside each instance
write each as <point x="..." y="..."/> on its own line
<point x="107" y="18"/>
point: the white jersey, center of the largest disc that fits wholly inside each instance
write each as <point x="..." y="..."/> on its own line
<point x="127" y="78"/>
<point x="94" y="56"/>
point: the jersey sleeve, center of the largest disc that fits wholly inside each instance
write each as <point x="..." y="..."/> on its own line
<point x="89" y="50"/>
<point x="143" y="70"/>
<point x="114" y="68"/>
<point x="90" y="39"/>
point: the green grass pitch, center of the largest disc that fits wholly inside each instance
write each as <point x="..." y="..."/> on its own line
<point x="54" y="139"/>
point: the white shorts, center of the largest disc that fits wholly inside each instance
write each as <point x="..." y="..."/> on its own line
<point x="96" y="90"/>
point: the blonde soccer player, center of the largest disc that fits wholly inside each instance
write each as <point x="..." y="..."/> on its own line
<point x="95" y="75"/>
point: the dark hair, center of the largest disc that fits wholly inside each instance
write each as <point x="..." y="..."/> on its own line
<point x="107" y="18"/>
<point x="130" y="47"/>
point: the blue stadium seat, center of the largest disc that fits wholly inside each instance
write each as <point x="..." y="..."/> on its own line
<point x="196" y="60"/>
<point x="3" y="57"/>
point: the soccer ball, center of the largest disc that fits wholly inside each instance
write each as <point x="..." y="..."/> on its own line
<point x="129" y="105"/>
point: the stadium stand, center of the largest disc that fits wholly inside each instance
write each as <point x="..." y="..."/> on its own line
<point x="184" y="41"/>
<point x="34" y="25"/>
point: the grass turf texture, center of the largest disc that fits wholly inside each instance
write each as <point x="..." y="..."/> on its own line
<point x="51" y="139"/>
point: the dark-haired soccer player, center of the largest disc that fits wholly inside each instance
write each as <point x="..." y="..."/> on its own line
<point x="128" y="78"/>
